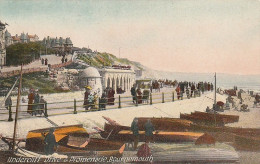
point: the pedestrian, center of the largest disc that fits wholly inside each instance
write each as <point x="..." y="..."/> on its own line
<point x="133" y="93"/>
<point x="149" y="129"/>
<point x="36" y="103"/>
<point x="139" y="96"/>
<point x="30" y="101"/>
<point x="42" y="61"/>
<point x="8" y="102"/>
<point x="46" y="61"/>
<point x="91" y="101"/>
<point x="50" y="142"/>
<point x="178" y="90"/>
<point x="192" y="89"/>
<point x="42" y="105"/>
<point x="62" y="60"/>
<point x="103" y="102"/>
<point x="135" y="130"/>
<point x="111" y="98"/>
<point x="66" y="60"/>
<point x="188" y="92"/>
<point x="95" y="101"/>
<point x="86" y="95"/>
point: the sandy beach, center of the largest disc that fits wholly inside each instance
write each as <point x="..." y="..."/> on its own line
<point x="125" y="116"/>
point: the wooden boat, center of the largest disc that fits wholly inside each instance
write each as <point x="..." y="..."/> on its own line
<point x="204" y="118"/>
<point x="162" y="123"/>
<point x="226" y="118"/>
<point x="123" y="133"/>
<point x="71" y="139"/>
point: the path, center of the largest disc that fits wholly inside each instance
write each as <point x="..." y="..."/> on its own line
<point x="52" y="59"/>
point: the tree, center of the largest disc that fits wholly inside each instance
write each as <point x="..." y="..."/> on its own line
<point x="23" y="53"/>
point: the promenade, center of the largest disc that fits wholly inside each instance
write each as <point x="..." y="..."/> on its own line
<point x="35" y="66"/>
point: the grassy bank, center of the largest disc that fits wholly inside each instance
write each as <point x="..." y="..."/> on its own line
<point x="38" y="81"/>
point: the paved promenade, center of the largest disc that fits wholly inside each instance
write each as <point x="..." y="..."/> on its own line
<point x="52" y="59"/>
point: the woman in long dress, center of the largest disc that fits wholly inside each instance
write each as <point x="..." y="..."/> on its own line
<point x="30" y="102"/>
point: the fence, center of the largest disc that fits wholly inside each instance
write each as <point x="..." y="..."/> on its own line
<point x="78" y="106"/>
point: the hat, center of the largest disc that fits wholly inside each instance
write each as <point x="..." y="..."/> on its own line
<point x="88" y="87"/>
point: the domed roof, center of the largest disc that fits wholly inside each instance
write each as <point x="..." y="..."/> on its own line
<point x="90" y="72"/>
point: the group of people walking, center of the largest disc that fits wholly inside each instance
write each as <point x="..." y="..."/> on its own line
<point x="36" y="102"/>
<point x="44" y="61"/>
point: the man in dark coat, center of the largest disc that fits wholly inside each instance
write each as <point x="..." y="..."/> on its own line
<point x="111" y="98"/>
<point x="133" y="93"/>
<point x="8" y="102"/>
<point x="135" y="130"/>
<point x="192" y="89"/>
<point x="103" y="102"/>
<point x="50" y="142"/>
<point x="149" y="129"/>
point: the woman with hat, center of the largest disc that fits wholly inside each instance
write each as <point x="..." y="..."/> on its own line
<point x="87" y="93"/>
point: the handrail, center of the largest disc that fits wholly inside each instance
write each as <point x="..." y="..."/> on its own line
<point x="77" y="106"/>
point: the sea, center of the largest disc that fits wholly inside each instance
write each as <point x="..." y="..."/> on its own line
<point x="225" y="81"/>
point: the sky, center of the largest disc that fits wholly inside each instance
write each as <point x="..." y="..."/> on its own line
<point x="204" y="36"/>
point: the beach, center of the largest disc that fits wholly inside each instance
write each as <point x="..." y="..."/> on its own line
<point x="124" y="116"/>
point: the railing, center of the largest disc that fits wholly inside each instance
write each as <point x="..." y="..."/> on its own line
<point x="77" y="106"/>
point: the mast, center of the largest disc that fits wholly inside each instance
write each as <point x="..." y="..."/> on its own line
<point x="215" y="94"/>
<point x="17" y="105"/>
<point x="215" y="99"/>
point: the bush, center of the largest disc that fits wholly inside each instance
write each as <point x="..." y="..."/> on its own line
<point x="23" y="53"/>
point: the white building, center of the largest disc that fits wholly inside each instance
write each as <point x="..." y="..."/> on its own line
<point x="115" y="78"/>
<point x="91" y="77"/>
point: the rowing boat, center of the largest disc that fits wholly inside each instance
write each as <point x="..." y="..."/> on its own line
<point x="73" y="138"/>
<point x="123" y="133"/>
<point x="204" y="118"/>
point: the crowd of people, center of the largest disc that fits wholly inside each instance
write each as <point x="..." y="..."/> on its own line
<point x="91" y="99"/>
<point x="192" y="88"/>
<point x="36" y="103"/>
